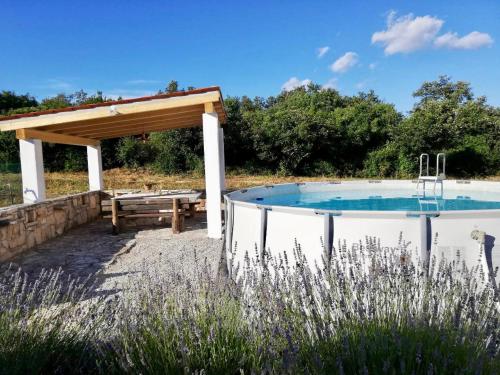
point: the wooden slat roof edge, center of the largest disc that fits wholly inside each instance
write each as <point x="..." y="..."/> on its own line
<point x="114" y="102"/>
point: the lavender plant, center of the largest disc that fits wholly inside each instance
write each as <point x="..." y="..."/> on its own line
<point x="366" y="309"/>
<point x="45" y="325"/>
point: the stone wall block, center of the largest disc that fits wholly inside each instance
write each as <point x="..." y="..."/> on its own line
<point x="93" y="201"/>
<point x="52" y="231"/>
<point x="30" y="239"/>
<point x="34" y="224"/>
<point x="3" y="232"/>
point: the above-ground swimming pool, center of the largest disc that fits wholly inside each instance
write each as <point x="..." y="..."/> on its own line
<point x="464" y="220"/>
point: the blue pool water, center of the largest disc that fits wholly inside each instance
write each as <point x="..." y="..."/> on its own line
<point x="384" y="201"/>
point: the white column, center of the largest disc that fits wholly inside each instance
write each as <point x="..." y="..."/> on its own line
<point x="222" y="160"/>
<point x="94" y="160"/>
<point x="32" y="170"/>
<point x="212" y="174"/>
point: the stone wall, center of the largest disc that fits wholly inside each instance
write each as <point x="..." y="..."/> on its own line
<point x="22" y="227"/>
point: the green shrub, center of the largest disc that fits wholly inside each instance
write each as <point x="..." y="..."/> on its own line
<point x="134" y="153"/>
<point x="75" y="160"/>
<point x="178" y="151"/>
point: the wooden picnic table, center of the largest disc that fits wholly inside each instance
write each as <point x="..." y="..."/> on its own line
<point x="148" y="205"/>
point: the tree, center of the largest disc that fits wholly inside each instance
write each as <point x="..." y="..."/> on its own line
<point x="173" y="86"/>
<point x="178" y="150"/>
<point x="444" y="89"/>
<point x="447" y="118"/>
<point x="9" y="101"/>
<point x="59" y="101"/>
<point x="133" y="153"/>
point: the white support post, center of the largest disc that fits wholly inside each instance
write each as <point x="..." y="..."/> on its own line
<point x="211" y="149"/>
<point x="222" y="160"/>
<point x="32" y="170"/>
<point x="94" y="160"/>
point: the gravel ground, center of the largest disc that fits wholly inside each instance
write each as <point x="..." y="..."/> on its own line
<point x="159" y="250"/>
<point x="92" y="250"/>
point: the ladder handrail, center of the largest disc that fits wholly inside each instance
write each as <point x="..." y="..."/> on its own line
<point x="421" y="164"/>
<point x="443" y="157"/>
<point x="440" y="176"/>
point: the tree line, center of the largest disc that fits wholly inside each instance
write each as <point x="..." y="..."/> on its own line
<point x="307" y="131"/>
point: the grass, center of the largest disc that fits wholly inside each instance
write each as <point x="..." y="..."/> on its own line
<point x="64" y="183"/>
<point x="10" y="189"/>
<point x="277" y="319"/>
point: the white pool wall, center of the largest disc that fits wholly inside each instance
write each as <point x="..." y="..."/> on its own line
<point x="252" y="227"/>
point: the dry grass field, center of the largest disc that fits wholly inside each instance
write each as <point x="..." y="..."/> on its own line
<point x="63" y="183"/>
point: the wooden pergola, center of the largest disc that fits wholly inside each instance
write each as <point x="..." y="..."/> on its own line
<point x="87" y="125"/>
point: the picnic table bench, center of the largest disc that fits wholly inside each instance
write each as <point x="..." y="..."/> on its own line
<point x="135" y="206"/>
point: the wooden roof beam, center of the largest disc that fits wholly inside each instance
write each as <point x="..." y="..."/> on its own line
<point x="144" y="129"/>
<point x="110" y="111"/>
<point x="137" y="117"/>
<point x="136" y="123"/>
<point x="55" y="137"/>
<point x="209" y="107"/>
<point x="150" y="130"/>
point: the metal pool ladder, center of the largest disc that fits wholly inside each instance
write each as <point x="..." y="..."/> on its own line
<point x="440" y="174"/>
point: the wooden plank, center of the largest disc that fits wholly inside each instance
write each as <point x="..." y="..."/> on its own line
<point x="108" y="134"/>
<point x="192" y="209"/>
<point x="127" y="202"/>
<point x="175" y="217"/>
<point x="136" y="216"/>
<point x="139" y="207"/>
<point x="134" y="200"/>
<point x="105" y="112"/>
<point x="55" y="137"/>
<point x="137" y="132"/>
<point x="134" y="207"/>
<point x="113" y="122"/>
<point x="110" y="216"/>
<point x="181" y="223"/>
<point x="131" y="125"/>
<point x="114" y="216"/>
<point x="142" y="215"/>
<point x="209" y="107"/>
<point x="125" y="119"/>
<point x="142" y="127"/>
<point x="159" y="211"/>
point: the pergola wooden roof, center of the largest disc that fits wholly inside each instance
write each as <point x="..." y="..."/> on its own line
<point x="88" y="124"/>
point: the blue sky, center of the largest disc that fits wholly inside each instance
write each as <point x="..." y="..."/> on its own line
<point x="132" y="48"/>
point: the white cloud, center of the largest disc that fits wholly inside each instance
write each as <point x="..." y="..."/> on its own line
<point x="330" y="84"/>
<point x="345" y="62"/>
<point x="372" y="66"/>
<point x="294" y="83"/>
<point x="472" y="40"/>
<point x="407" y="33"/>
<point x="322" y="51"/>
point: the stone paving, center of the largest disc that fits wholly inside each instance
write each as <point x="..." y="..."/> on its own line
<point x="91" y="249"/>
